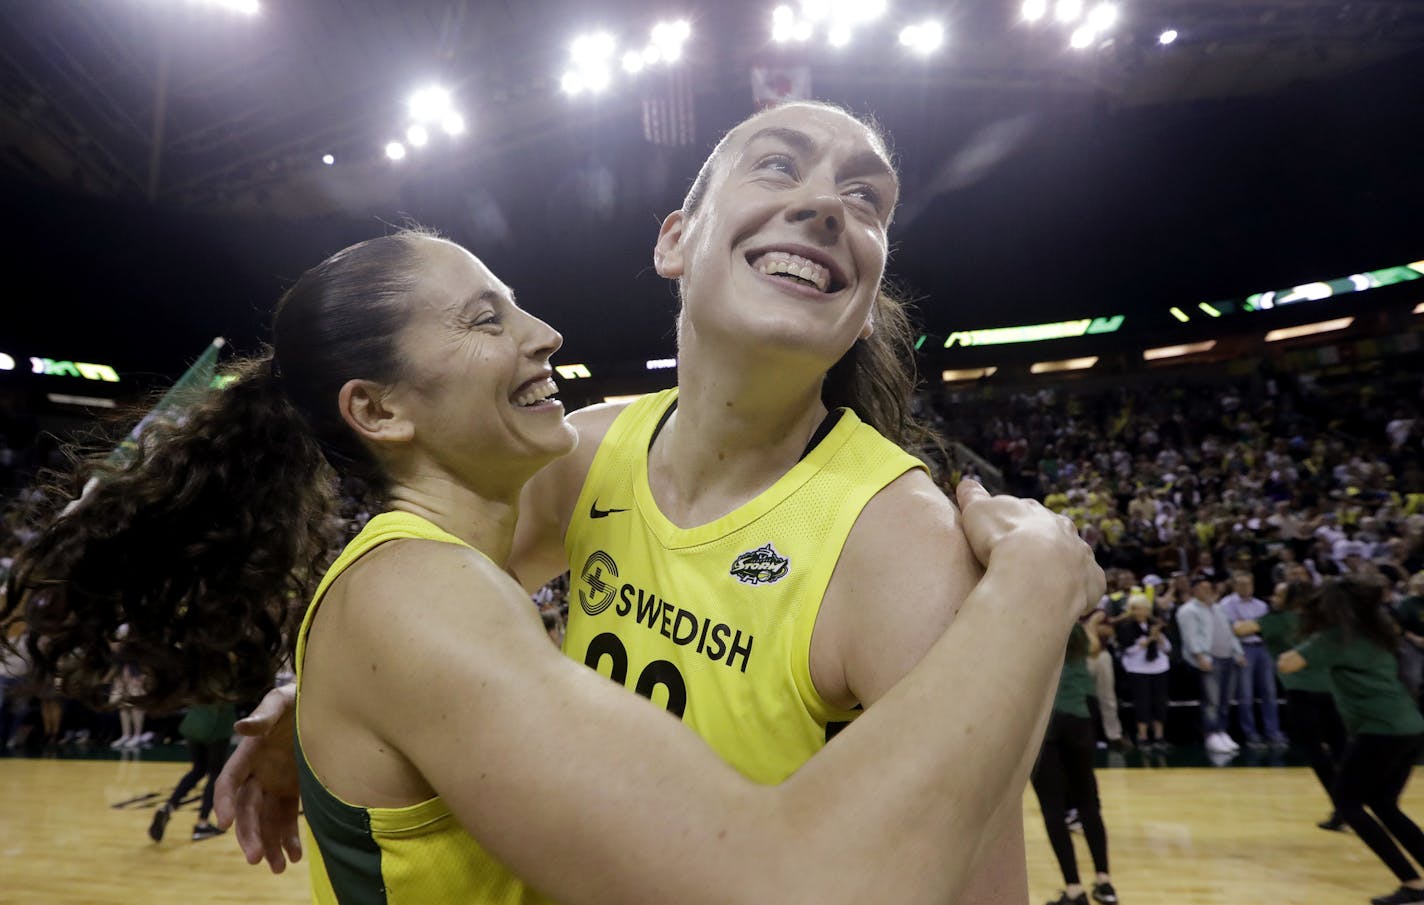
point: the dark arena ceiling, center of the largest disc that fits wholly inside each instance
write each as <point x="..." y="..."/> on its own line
<point x="162" y="160"/>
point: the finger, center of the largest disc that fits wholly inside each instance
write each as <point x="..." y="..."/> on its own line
<point x="293" y="842"/>
<point x="237" y="769"/>
<point x="271" y="829"/>
<point x="249" y="796"/>
<point x="969" y="491"/>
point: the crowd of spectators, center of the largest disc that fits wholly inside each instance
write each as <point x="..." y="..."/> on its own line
<point x="1207" y="495"/>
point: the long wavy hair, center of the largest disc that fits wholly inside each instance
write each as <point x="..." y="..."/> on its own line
<point x="1354" y="606"/>
<point x="877" y="376"/>
<point x="207" y="543"/>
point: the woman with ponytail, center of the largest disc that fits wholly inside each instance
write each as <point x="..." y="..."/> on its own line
<point x="1350" y="636"/>
<point x="441" y="740"/>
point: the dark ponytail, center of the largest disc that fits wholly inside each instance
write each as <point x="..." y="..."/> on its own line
<point x="208" y="543"/>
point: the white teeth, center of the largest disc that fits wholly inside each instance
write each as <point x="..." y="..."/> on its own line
<point x="777" y="262"/>
<point x="537" y="392"/>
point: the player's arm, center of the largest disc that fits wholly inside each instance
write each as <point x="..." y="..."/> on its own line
<point x="547" y="503"/>
<point x="905" y="571"/>
<point x="526" y="746"/>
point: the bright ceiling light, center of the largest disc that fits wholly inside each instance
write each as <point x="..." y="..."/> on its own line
<point x="1033" y="10"/>
<point x="1083" y="36"/>
<point x="453" y="124"/>
<point x="328" y="159"/>
<point x="596" y="79"/>
<point x="1068" y="10"/>
<point x="672" y="53"/>
<point x="592" y="49"/>
<point x="924" y="38"/>
<point x="1167" y="37"/>
<point x="953" y="376"/>
<point x="801" y="31"/>
<point x="249" y="7"/>
<point x="395" y="150"/>
<point x="429" y="105"/>
<point x="572" y="83"/>
<point x="839" y="35"/>
<point x="417" y="136"/>
<point x="815" y="10"/>
<point x="633" y="62"/>
<point x="1103" y="16"/>
<point x="651" y="55"/>
<point x="783" y="15"/>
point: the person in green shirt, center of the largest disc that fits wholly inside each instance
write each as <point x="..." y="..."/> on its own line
<point x="1350" y="636"/>
<point x="1314" y="722"/>
<point x="207" y="728"/>
<point x="1063" y="776"/>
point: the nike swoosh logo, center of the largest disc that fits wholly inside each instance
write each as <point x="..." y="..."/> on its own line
<point x="595" y="512"/>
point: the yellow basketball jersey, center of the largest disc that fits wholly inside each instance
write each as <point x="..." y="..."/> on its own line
<point x="714" y="622"/>
<point x="392" y="856"/>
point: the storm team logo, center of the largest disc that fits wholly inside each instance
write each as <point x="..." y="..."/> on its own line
<point x="761" y="566"/>
<point x="600" y="590"/>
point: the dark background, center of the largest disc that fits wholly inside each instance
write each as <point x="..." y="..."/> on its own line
<point x="1276" y="143"/>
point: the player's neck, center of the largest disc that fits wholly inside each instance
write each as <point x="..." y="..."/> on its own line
<point x="732" y="437"/>
<point x="485" y="522"/>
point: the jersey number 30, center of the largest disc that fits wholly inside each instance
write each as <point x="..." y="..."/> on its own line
<point x="658" y="672"/>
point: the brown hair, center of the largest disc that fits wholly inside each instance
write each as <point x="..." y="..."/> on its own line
<point x="226" y="514"/>
<point x="877" y="376"/>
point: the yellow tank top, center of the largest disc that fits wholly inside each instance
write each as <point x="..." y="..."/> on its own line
<point x="714" y="622"/>
<point x="393" y="856"/>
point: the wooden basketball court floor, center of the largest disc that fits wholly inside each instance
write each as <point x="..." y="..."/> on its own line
<point x="1181" y="835"/>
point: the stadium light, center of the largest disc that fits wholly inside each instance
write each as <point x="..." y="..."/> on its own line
<point x="7" y="362"/>
<point x="1068" y="10"/>
<point x="395" y="150"/>
<point x="1033" y="10"/>
<point x="1103" y="16"/>
<point x="417" y="136"/>
<point x="967" y="374"/>
<point x="1179" y="314"/>
<point x="633" y="62"/>
<point x="783" y="22"/>
<point x="801" y="31"/>
<point x="328" y="159"/>
<point x="924" y="38"/>
<point x="1167" y="37"/>
<point x="572" y="83"/>
<point x="247" y="7"/>
<point x="591" y="50"/>
<point x="1178" y="351"/>
<point x="659" y="364"/>
<point x="430" y="104"/>
<point x="596" y="79"/>
<point x="1082" y="37"/>
<point x="1070" y="364"/>
<point x="1210" y="309"/>
<point x="1418" y="309"/>
<point x="1339" y="323"/>
<point x="816" y="10"/>
<point x="453" y="124"/>
<point x="839" y="35"/>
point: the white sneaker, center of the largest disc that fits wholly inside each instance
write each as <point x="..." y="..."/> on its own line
<point x="120" y="742"/>
<point x="1216" y="745"/>
<point x="1229" y="742"/>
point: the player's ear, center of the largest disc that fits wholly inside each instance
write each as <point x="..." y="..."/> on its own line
<point x="668" y="253"/>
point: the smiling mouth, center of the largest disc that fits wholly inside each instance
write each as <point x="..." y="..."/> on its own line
<point x="796" y="269"/>
<point x="535" y="393"/>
